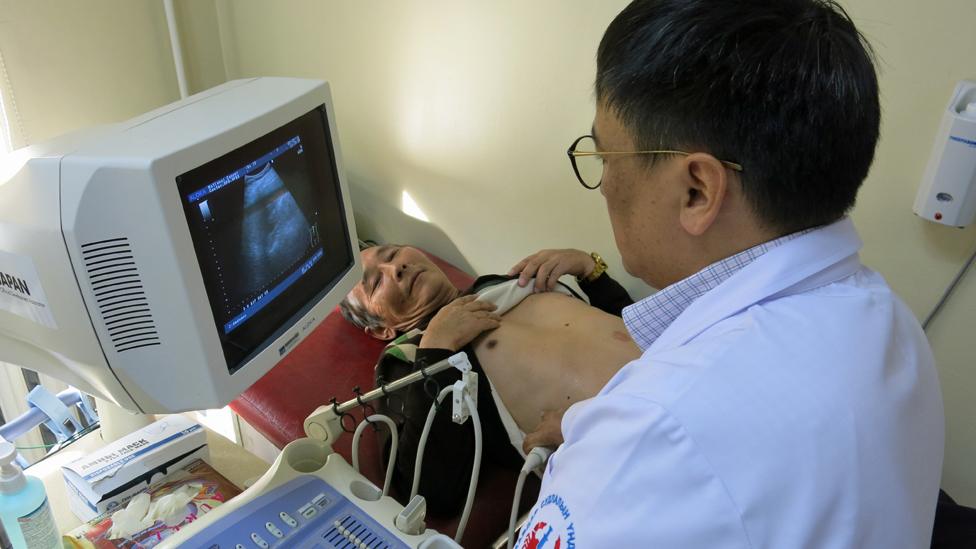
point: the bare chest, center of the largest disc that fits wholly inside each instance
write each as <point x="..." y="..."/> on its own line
<point x="550" y="351"/>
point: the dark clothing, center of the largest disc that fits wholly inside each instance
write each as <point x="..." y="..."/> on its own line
<point x="449" y="454"/>
<point x="955" y="525"/>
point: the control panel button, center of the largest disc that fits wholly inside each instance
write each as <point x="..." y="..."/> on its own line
<point x="273" y="530"/>
<point x="308" y="510"/>
<point x="286" y="518"/>
<point x="259" y="541"/>
<point x="239" y="546"/>
<point x="320" y="500"/>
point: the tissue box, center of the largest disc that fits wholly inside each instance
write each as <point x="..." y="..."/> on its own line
<point x="108" y="478"/>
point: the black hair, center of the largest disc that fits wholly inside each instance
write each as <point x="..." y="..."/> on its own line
<point x="787" y="88"/>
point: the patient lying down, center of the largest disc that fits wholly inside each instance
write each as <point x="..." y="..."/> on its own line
<point x="540" y="351"/>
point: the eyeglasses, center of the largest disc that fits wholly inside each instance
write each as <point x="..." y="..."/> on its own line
<point x="588" y="162"/>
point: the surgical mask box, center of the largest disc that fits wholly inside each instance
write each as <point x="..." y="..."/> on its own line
<point x="108" y="478"/>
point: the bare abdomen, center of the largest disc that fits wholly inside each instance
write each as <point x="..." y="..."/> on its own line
<point x="551" y="351"/>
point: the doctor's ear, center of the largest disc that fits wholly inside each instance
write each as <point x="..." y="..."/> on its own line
<point x="384" y="333"/>
<point x="706" y="181"/>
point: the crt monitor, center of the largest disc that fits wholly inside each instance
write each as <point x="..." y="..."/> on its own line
<point x="166" y="263"/>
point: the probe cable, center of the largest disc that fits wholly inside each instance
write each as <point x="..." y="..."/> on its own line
<point x="371" y="420"/>
<point x="473" y="485"/>
<point x="537" y="457"/>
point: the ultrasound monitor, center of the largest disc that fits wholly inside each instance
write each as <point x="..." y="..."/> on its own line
<point x="256" y="216"/>
<point x="173" y="259"/>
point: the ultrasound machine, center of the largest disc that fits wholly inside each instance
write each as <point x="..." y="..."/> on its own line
<point x="166" y="263"/>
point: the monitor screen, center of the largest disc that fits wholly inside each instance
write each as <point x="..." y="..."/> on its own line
<point x="269" y="231"/>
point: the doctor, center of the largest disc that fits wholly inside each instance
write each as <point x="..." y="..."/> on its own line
<point x="785" y="396"/>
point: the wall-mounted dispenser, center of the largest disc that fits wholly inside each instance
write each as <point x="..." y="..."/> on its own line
<point x="947" y="194"/>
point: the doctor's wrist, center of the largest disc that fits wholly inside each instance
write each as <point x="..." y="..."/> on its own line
<point x="595" y="267"/>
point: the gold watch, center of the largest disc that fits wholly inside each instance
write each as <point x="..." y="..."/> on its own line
<point x="599" y="269"/>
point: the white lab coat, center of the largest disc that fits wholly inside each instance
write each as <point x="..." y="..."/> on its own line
<point x="794" y="405"/>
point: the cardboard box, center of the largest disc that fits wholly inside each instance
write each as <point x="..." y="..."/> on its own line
<point x="103" y="480"/>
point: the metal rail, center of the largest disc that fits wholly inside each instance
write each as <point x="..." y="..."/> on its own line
<point x="386" y="388"/>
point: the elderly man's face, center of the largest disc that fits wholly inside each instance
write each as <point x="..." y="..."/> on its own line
<point x="401" y="286"/>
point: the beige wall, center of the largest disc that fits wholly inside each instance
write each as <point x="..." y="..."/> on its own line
<point x="469" y="108"/>
<point x="76" y="64"/>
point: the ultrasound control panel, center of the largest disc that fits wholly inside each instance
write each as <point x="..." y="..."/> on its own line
<point x="303" y="513"/>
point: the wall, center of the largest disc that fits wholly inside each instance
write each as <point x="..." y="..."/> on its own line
<point x="76" y="64"/>
<point x="469" y="107"/>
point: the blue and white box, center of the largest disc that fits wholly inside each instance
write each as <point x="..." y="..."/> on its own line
<point x="106" y="479"/>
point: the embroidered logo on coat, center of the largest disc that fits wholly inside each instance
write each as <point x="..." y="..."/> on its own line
<point x="549" y="526"/>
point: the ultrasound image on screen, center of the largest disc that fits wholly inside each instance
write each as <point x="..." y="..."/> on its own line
<point x="257" y="217"/>
<point x="275" y="234"/>
<point x="262" y="229"/>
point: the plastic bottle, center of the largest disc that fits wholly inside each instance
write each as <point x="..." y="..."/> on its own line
<point x="24" y="510"/>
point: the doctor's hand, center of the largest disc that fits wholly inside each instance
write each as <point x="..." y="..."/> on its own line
<point x="549" y="432"/>
<point x="459" y="322"/>
<point x="548" y="265"/>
